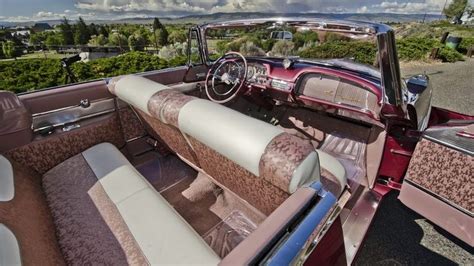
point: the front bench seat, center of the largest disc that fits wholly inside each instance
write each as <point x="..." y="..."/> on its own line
<point x="107" y="213"/>
<point x="145" y="96"/>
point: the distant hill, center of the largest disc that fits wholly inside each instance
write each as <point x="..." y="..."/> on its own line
<point x="199" y="19"/>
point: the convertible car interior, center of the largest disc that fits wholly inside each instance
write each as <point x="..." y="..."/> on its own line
<point x="249" y="160"/>
<point x="193" y="180"/>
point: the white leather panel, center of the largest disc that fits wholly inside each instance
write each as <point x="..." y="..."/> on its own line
<point x="137" y="91"/>
<point x="161" y="233"/>
<point x="122" y="183"/>
<point x="103" y="158"/>
<point x="332" y="165"/>
<point x="238" y="137"/>
<point x="306" y="173"/>
<point x="7" y="186"/>
<point x="9" y="249"/>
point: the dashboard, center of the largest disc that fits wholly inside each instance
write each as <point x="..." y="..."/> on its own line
<point x="315" y="86"/>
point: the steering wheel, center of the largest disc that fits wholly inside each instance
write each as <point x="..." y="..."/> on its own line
<point x="226" y="77"/>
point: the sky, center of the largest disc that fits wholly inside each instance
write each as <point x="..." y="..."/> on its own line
<point x="35" y="10"/>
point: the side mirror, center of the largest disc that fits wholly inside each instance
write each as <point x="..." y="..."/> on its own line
<point x="417" y="84"/>
<point x="418" y="100"/>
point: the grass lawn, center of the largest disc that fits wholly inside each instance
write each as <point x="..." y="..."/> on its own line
<point x="35" y="55"/>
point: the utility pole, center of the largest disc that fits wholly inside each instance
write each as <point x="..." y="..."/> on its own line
<point x="442" y="10"/>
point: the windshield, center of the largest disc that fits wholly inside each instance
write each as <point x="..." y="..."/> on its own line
<point x="283" y="40"/>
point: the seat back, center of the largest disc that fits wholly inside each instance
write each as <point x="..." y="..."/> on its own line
<point x="149" y="98"/>
<point x="257" y="161"/>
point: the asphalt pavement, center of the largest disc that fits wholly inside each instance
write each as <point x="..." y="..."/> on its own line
<point x="453" y="83"/>
<point x="399" y="236"/>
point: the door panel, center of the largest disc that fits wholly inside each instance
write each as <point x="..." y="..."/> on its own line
<point x="66" y="96"/>
<point x="44" y="153"/>
<point x="69" y="119"/>
<point x="69" y="116"/>
<point x="439" y="181"/>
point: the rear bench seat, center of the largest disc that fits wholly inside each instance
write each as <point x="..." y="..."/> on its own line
<point x="106" y="212"/>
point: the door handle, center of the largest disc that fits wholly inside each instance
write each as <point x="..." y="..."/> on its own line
<point x="200" y="75"/>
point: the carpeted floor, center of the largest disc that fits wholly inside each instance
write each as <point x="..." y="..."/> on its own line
<point x="221" y="218"/>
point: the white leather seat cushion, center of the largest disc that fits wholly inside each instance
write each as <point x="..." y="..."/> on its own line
<point x="9" y="249"/>
<point x="162" y="234"/>
<point x="238" y="137"/>
<point x="331" y="164"/>
<point x="7" y="186"/>
<point x="137" y="91"/>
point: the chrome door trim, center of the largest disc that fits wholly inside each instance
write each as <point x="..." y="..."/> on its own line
<point x="298" y="244"/>
<point x="357" y="223"/>
<point x="440" y="198"/>
<point x="71" y="114"/>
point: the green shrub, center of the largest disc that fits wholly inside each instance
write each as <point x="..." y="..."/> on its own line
<point x="447" y="54"/>
<point x="410" y="49"/>
<point x="25" y="75"/>
<point x="30" y="74"/>
<point x="362" y="52"/>
<point x="465" y="44"/>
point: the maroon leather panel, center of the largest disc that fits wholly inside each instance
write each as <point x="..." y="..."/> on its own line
<point x="168" y="76"/>
<point x="55" y="98"/>
<point x="15" y="122"/>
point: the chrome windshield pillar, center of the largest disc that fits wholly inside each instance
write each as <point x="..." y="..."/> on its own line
<point x="389" y="67"/>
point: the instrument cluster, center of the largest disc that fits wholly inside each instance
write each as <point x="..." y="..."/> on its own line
<point x="256" y="72"/>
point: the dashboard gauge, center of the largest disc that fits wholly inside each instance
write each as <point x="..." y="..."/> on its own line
<point x="250" y="72"/>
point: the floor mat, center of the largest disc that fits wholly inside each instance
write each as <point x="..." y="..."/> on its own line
<point x="195" y="212"/>
<point x="351" y="154"/>
<point x="164" y="172"/>
<point x="226" y="235"/>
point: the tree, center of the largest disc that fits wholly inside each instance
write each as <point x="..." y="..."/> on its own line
<point x="177" y="36"/>
<point x="81" y="34"/>
<point x="53" y="41"/>
<point x="104" y="31"/>
<point x="160" y="33"/>
<point x="162" y="36"/>
<point x="455" y="9"/>
<point x="100" y="40"/>
<point x="156" y="25"/>
<point x="119" y="40"/>
<point x="67" y="32"/>
<point x="93" y="29"/>
<point x="10" y="49"/>
<point x="37" y="39"/>
<point x="136" y="42"/>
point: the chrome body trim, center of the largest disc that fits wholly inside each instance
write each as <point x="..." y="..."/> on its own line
<point x="298" y="244"/>
<point x="71" y="114"/>
<point x="358" y="222"/>
<point x="447" y="136"/>
<point x="439" y="197"/>
<point x="135" y="138"/>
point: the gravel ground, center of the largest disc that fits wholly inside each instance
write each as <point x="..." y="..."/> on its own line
<point x="399" y="236"/>
<point x="453" y="83"/>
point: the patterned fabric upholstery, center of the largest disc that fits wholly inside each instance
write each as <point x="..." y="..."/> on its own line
<point x="88" y="225"/>
<point x="106" y="213"/>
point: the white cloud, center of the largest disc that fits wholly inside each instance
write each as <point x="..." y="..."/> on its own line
<point x="428" y="6"/>
<point x="167" y="7"/>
